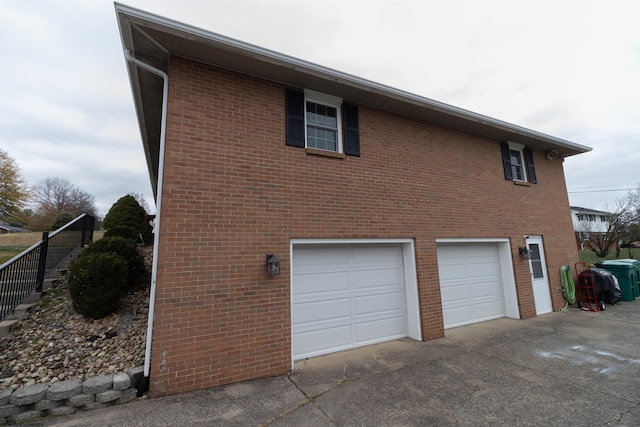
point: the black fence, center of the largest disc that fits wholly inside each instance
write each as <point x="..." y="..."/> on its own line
<point x="26" y="272"/>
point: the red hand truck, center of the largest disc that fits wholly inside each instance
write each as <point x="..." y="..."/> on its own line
<point x="586" y="292"/>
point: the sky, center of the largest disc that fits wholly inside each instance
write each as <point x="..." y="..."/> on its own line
<point x="570" y="69"/>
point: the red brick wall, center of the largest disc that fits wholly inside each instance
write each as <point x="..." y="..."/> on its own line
<point x="233" y="192"/>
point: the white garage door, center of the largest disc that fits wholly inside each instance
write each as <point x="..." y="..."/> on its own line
<point x="470" y="283"/>
<point x="346" y="296"/>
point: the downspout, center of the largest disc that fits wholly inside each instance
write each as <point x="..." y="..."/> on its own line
<point x="143" y="387"/>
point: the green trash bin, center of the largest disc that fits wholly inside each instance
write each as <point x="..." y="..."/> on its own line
<point x="627" y="271"/>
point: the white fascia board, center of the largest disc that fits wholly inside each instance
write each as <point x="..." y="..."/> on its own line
<point x="189" y="32"/>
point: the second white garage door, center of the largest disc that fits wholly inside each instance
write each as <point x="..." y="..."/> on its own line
<point x="346" y="296"/>
<point x="470" y="283"/>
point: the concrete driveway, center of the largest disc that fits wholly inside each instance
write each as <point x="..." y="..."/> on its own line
<point x="572" y="368"/>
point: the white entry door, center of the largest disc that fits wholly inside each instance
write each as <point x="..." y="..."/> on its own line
<point x="539" y="280"/>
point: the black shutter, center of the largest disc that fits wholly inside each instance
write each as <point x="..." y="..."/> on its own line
<point x="295" y="118"/>
<point x="351" y="130"/>
<point x="531" y="170"/>
<point x="506" y="161"/>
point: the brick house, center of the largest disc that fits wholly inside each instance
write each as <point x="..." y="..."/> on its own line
<point x="392" y="215"/>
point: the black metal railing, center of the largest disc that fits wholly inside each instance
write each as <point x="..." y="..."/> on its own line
<point x="25" y="273"/>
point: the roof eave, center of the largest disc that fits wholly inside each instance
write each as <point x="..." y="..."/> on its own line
<point x="197" y="44"/>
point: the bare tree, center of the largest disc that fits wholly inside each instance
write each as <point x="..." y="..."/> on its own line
<point x="630" y="234"/>
<point x="54" y="196"/>
<point x="141" y="201"/>
<point x="620" y="222"/>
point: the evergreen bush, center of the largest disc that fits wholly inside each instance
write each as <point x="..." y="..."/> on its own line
<point x="62" y="220"/>
<point x="128" y="218"/>
<point x="126" y="232"/>
<point x="97" y="283"/>
<point x="137" y="274"/>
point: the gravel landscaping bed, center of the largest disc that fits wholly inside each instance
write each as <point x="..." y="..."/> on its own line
<point x="53" y="343"/>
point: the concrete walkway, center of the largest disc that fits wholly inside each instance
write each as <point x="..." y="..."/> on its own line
<point x="572" y="368"/>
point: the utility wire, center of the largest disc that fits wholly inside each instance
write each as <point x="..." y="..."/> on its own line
<point x="614" y="139"/>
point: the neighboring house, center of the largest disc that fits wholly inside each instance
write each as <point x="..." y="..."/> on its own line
<point x="4" y="229"/>
<point x="586" y="222"/>
<point x="392" y="215"/>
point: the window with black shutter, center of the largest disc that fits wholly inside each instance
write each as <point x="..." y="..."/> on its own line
<point x="322" y="122"/>
<point x="517" y="161"/>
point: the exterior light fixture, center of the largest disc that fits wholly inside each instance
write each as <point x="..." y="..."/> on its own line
<point x="273" y="265"/>
<point x="524" y="252"/>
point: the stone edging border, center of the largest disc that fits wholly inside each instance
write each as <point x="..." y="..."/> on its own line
<point x="66" y="397"/>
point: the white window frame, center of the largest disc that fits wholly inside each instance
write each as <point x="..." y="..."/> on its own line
<point x="520" y="149"/>
<point x="329" y="101"/>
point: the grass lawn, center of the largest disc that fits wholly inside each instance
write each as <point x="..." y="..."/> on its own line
<point x="589" y="256"/>
<point x="11" y="244"/>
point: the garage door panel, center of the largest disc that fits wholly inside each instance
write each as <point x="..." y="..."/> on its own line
<point x="379" y="303"/>
<point x="454" y="293"/>
<point x="470" y="283"/>
<point x="457" y="316"/>
<point x="484" y="289"/>
<point x="454" y="271"/>
<point x="486" y="269"/>
<point x="481" y="251"/>
<point x="364" y="294"/>
<point x="309" y="284"/>
<point x="451" y="253"/>
<point x="376" y="254"/>
<point x="381" y="329"/>
<point x="314" y="256"/>
<point x="319" y="339"/>
<point x="488" y="310"/>
<point x="322" y="311"/>
<point x="378" y="277"/>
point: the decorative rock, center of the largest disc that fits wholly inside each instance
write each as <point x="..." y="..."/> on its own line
<point x="121" y="381"/>
<point x="10" y="410"/>
<point x="80" y="400"/>
<point x="95" y="405"/>
<point x="45" y="405"/>
<point x="27" y="415"/>
<point x="127" y="396"/>
<point x="135" y="374"/>
<point x="64" y="389"/>
<point x="4" y="396"/>
<point x="108" y="396"/>
<point x="95" y="385"/>
<point x="28" y="395"/>
<point x="62" y="410"/>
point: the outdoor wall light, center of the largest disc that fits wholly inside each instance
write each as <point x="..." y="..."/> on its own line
<point x="273" y="265"/>
<point x="524" y="252"/>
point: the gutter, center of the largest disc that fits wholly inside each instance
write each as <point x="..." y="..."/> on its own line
<point x="143" y="387"/>
<point x="218" y="45"/>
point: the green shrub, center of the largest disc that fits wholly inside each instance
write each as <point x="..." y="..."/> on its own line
<point x="126" y="232"/>
<point x="97" y="283"/>
<point x="137" y="274"/>
<point x="128" y="214"/>
<point x="62" y="220"/>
